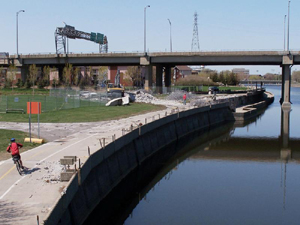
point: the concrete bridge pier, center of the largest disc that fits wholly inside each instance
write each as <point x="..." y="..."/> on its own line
<point x="148" y="77"/>
<point x="159" y="73"/>
<point x="60" y="73"/>
<point x="24" y="72"/>
<point x="287" y="61"/>
<point x="168" y="78"/>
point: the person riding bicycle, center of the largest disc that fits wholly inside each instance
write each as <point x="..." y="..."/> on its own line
<point x="13" y="148"/>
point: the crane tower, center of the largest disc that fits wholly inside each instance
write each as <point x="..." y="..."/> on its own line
<point x="62" y="33"/>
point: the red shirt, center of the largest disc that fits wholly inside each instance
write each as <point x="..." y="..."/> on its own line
<point x="14" y="148"/>
<point x="184" y="97"/>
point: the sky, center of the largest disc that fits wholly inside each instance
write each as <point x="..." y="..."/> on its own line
<point x="222" y="25"/>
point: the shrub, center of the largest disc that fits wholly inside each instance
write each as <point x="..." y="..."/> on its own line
<point x="20" y="83"/>
<point x="28" y="84"/>
<point x="7" y="83"/>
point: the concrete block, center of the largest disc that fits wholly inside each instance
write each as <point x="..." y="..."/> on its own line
<point x="66" y="162"/>
<point x="71" y="157"/>
<point x="66" y="176"/>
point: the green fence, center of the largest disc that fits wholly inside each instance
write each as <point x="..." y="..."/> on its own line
<point x="51" y="103"/>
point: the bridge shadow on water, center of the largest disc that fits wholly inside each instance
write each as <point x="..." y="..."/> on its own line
<point x="120" y="203"/>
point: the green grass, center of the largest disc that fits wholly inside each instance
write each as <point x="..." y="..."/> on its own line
<point x="49" y="103"/>
<point x="84" y="114"/>
<point x="6" y="135"/>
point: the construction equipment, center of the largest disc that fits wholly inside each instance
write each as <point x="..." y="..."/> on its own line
<point x="62" y="33"/>
<point x="116" y="88"/>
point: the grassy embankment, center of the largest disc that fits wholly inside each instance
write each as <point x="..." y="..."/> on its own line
<point x="84" y="114"/>
<point x="92" y="113"/>
<point x="6" y="135"/>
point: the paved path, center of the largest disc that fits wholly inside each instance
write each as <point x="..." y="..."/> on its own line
<point x="22" y="198"/>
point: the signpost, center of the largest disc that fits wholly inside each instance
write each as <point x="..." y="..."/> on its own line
<point x="34" y="108"/>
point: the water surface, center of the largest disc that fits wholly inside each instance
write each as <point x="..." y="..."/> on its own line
<point x="242" y="175"/>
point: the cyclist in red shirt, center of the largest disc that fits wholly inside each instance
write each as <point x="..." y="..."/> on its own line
<point x="13" y="148"/>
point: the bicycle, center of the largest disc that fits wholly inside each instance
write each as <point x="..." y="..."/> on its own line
<point x="16" y="160"/>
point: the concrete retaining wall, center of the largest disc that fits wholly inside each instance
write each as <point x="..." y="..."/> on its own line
<point x="107" y="167"/>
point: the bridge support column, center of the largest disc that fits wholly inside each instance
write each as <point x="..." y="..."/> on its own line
<point x="159" y="72"/>
<point x="24" y="72"/>
<point x="168" y="78"/>
<point x="60" y="73"/>
<point x="287" y="61"/>
<point x="148" y="77"/>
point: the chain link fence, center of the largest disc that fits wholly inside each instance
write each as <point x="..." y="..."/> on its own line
<point x="58" y="99"/>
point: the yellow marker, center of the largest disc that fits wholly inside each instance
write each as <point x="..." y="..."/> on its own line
<point x="34" y="140"/>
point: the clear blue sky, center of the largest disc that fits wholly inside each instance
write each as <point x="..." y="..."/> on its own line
<point x="222" y="25"/>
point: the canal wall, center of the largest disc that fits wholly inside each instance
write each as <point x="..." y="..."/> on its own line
<point x="107" y="167"/>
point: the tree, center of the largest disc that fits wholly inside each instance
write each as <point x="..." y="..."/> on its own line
<point x="296" y="76"/>
<point x="76" y="76"/>
<point x="270" y="76"/>
<point x="46" y="74"/>
<point x="11" y="76"/>
<point x="102" y="73"/>
<point x="214" y="77"/>
<point x="33" y="72"/>
<point x="67" y="74"/>
<point x="134" y="72"/>
<point x="222" y="78"/>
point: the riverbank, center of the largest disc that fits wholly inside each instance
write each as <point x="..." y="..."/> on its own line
<point x="43" y="176"/>
<point x="118" y="159"/>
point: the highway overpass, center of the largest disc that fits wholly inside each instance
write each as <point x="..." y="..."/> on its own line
<point x="164" y="61"/>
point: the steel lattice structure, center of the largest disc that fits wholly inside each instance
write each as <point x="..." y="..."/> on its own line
<point x="62" y="33"/>
<point x="195" y="41"/>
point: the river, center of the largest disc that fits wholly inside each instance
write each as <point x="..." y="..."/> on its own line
<point x="235" y="174"/>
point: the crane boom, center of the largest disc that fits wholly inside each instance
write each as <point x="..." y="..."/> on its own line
<point x="61" y="33"/>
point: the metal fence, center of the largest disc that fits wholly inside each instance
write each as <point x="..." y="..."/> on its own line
<point x="58" y="99"/>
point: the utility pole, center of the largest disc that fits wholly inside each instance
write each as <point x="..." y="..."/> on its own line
<point x="145" y="28"/>
<point x="17" y="15"/>
<point x="288" y="31"/>
<point x="170" y="35"/>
